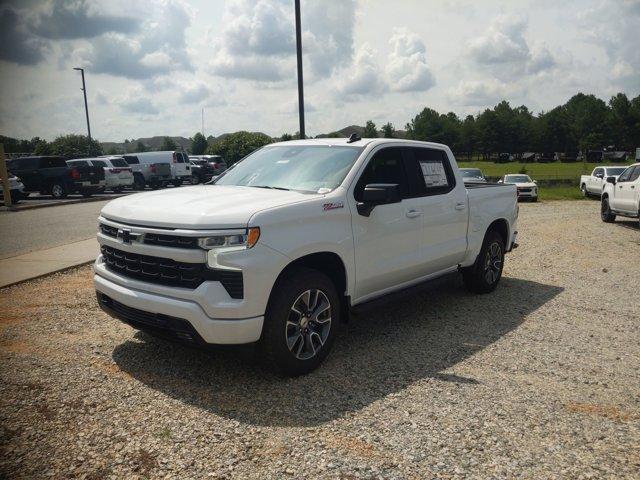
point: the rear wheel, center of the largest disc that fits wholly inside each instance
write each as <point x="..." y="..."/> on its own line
<point x="58" y="191"/>
<point x="86" y="193"/>
<point x="16" y="196"/>
<point x="301" y="322"/>
<point x="483" y="276"/>
<point x="195" y="179"/>
<point x="605" y="211"/>
<point x="176" y="183"/>
<point x="138" y="182"/>
<point x="118" y="189"/>
<point x="583" y="189"/>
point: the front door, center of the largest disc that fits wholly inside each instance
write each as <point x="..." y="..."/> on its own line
<point x="623" y="194"/>
<point x="387" y="247"/>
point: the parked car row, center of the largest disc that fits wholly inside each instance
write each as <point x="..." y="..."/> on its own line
<point x="58" y="177"/>
<point x="526" y="188"/>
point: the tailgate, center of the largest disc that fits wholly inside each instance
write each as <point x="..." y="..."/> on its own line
<point x="89" y="174"/>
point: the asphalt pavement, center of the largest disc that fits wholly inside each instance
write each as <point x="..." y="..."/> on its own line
<point x="44" y="228"/>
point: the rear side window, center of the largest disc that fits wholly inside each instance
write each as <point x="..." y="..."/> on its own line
<point x="434" y="170"/>
<point x="131" y="160"/>
<point x="78" y="163"/>
<point x="99" y="163"/>
<point x="118" y="162"/>
<point x="386" y="166"/>
<point x="53" y="162"/>
<point x="597" y="171"/>
<point x="23" y="164"/>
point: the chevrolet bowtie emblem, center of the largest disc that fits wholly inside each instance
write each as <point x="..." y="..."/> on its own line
<point x="126" y="236"/>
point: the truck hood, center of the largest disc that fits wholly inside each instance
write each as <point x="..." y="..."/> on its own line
<point x="199" y="207"/>
<point x="525" y="185"/>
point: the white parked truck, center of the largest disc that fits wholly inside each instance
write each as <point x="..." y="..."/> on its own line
<point x="287" y="241"/>
<point x="594" y="184"/>
<point x="621" y="195"/>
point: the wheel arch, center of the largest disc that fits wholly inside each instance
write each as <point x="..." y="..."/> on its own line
<point x="328" y="263"/>
<point x="501" y="226"/>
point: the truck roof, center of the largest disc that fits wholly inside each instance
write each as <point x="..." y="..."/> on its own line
<point x="363" y="142"/>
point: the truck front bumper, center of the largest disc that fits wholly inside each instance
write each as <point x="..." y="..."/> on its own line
<point x="181" y="319"/>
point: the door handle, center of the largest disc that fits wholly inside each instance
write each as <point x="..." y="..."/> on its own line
<point x="633" y="186"/>
<point x="461" y="206"/>
<point x="413" y="213"/>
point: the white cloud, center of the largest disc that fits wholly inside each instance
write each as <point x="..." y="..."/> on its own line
<point x="407" y="67"/>
<point x="480" y="93"/>
<point x="364" y="78"/>
<point x="194" y="93"/>
<point x="504" y="49"/>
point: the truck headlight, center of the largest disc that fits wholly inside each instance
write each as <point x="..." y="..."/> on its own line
<point x="236" y="241"/>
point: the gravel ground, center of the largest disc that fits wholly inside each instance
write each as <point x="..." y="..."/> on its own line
<point x="540" y="379"/>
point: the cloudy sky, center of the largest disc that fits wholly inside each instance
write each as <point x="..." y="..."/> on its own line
<point x="153" y="65"/>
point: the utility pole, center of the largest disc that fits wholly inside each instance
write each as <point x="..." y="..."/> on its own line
<point x="202" y="131"/>
<point x="299" y="54"/>
<point x="6" y="187"/>
<point x="86" y="108"/>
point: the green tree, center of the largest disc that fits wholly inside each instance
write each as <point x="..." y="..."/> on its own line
<point x="75" y="146"/>
<point x="468" y="136"/>
<point x="621" y="122"/>
<point x="168" y="144"/>
<point x="286" y="137"/>
<point x="140" y="147"/>
<point x="388" y="131"/>
<point x="370" y="130"/>
<point x="238" y="145"/>
<point x="112" y="151"/>
<point x="198" y="144"/>
<point x="42" y="147"/>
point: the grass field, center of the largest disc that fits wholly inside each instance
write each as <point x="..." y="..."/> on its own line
<point x="537" y="171"/>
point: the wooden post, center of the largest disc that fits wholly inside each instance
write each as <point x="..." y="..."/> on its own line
<point x="6" y="188"/>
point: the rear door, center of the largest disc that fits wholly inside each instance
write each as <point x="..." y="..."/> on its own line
<point x="628" y="200"/>
<point x="443" y="239"/>
<point x="387" y="248"/>
<point x="27" y="170"/>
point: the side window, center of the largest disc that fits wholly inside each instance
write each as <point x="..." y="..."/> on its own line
<point x="636" y="173"/>
<point x="624" y="176"/>
<point x="99" y="163"/>
<point x="597" y="171"/>
<point x="131" y="160"/>
<point x="79" y="163"/>
<point x="178" y="157"/>
<point x="386" y="166"/>
<point x="435" y="170"/>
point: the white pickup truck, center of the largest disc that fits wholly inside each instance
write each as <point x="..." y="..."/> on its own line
<point x="594" y="184"/>
<point x="621" y="195"/>
<point x="289" y="239"/>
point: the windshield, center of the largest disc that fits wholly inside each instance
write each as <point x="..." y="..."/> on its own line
<point x="471" y="173"/>
<point x="308" y="168"/>
<point x="517" y="179"/>
<point x="614" y="171"/>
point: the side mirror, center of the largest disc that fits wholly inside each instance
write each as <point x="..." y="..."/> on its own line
<point x="500" y="181"/>
<point x="378" y="194"/>
<point x="535" y="181"/>
<point x="611" y="180"/>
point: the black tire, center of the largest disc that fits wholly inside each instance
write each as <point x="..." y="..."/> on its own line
<point x="606" y="214"/>
<point x="534" y="199"/>
<point x="138" y="182"/>
<point x="155" y="185"/>
<point x="16" y="196"/>
<point x="195" y="179"/>
<point x="583" y="189"/>
<point x="291" y="342"/>
<point x="118" y="189"/>
<point x="484" y="275"/>
<point x="176" y="183"/>
<point x="86" y="193"/>
<point x="58" y="191"/>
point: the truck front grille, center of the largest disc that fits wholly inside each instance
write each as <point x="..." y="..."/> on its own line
<point x="174" y="241"/>
<point x="165" y="271"/>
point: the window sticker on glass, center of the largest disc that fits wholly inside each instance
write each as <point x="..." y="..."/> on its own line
<point x="434" y="174"/>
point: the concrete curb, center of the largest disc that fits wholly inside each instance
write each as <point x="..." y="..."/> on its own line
<point x="63" y="269"/>
<point x="58" y="203"/>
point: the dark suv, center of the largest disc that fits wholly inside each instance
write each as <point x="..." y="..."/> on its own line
<point x="52" y="176"/>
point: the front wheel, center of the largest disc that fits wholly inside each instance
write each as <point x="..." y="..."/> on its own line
<point x="605" y="212"/>
<point x="483" y="276"/>
<point x="138" y="182"/>
<point x="301" y="321"/>
<point x="195" y="179"/>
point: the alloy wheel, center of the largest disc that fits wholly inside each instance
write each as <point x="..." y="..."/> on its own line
<point x="308" y="324"/>
<point x="493" y="263"/>
<point x="57" y="191"/>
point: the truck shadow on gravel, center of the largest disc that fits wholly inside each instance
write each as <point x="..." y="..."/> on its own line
<point x="419" y="336"/>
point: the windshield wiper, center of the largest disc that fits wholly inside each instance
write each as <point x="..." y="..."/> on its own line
<point x="270" y="187"/>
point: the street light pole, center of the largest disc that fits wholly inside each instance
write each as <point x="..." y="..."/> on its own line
<point x="86" y="108"/>
<point x="299" y="54"/>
